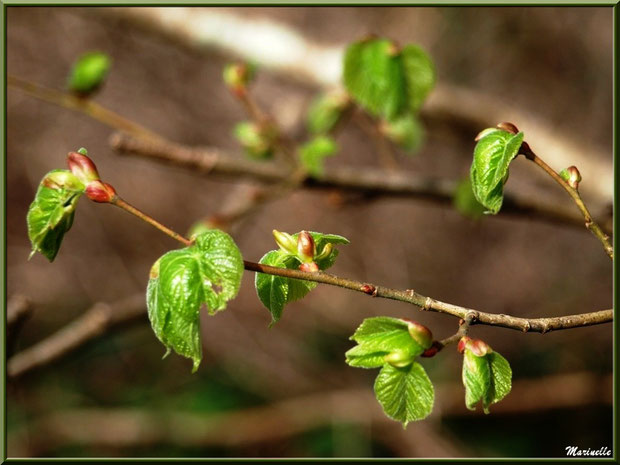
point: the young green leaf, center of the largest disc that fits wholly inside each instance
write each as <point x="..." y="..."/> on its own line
<point x="275" y="291"/>
<point x="89" y="72"/>
<point x="406" y="131"/>
<point x="419" y="73"/>
<point x="325" y="112"/>
<point x="465" y="202"/>
<point x="374" y="77"/>
<point x="379" y="337"/>
<point x="181" y="281"/>
<point x="406" y="394"/>
<point x="51" y="212"/>
<point x="312" y="154"/>
<point x="489" y="170"/>
<point x="487" y="378"/>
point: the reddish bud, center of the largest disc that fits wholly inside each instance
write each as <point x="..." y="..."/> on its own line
<point x="309" y="267"/>
<point x="462" y="343"/>
<point x="237" y="76"/>
<point x="478" y="347"/>
<point x="432" y="350"/>
<point x="420" y="333"/>
<point x="101" y="192"/>
<point x="508" y="127"/>
<point x="305" y="247"/>
<point x="368" y="289"/>
<point x="573" y="177"/>
<point x="82" y="167"/>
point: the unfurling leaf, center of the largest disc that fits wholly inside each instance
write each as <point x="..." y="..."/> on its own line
<point x="312" y="154"/>
<point x="257" y="140"/>
<point x="386" y="81"/>
<point x="489" y="170"/>
<point x="89" y="72"/>
<point x="379" y="337"/>
<point x="487" y="375"/>
<point x="276" y="291"/>
<point x="181" y="281"/>
<point x="405" y="393"/>
<point x="51" y="213"/>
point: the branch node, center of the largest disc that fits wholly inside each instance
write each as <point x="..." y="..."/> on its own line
<point x="428" y="304"/>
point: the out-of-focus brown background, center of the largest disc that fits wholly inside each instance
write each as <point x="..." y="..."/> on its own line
<point x="286" y="391"/>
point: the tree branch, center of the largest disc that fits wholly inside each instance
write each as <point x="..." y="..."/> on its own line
<point x="94" y="322"/>
<point x="369" y="182"/>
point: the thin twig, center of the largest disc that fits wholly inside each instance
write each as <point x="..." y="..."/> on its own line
<point x="370" y="182"/>
<point x="83" y="105"/>
<point x="574" y="193"/>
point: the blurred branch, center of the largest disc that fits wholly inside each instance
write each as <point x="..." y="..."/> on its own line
<point x="297" y="57"/>
<point x="94" y="322"/>
<point x="18" y="308"/>
<point x="369" y="182"/>
<point x="122" y="428"/>
<point x="82" y="105"/>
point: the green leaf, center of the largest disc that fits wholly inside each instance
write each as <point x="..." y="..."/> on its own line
<point x="406" y="131"/>
<point x="476" y="378"/>
<point x="276" y="291"/>
<point x="501" y="380"/>
<point x="487" y="379"/>
<point x="374" y="77"/>
<point x="51" y="212"/>
<point x="489" y="170"/>
<point x="325" y="112"/>
<point x="89" y="72"/>
<point x="181" y="281"/>
<point x="312" y="154"/>
<point x="465" y="202"/>
<point x="419" y="73"/>
<point x="406" y="394"/>
<point x="378" y="337"/>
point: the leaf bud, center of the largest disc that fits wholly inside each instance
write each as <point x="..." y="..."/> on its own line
<point x="398" y="358"/>
<point x="420" y="333"/>
<point x="462" y="343"/>
<point x="478" y="347"/>
<point x="435" y="347"/>
<point x="572" y="176"/>
<point x="100" y="192"/>
<point x="82" y="167"/>
<point x="309" y="267"/>
<point x="305" y="247"/>
<point x="508" y="127"/>
<point x="327" y="250"/>
<point x="285" y="241"/>
<point x="237" y="76"/>
<point x="88" y="73"/>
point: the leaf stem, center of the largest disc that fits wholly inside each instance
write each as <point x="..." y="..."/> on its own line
<point x="82" y="105"/>
<point x="143" y="216"/>
<point x="464" y="325"/>
<point x="574" y="193"/>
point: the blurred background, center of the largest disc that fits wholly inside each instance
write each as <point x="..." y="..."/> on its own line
<point x="286" y="391"/>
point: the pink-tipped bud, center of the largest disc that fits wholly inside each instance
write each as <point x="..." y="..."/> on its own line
<point x="285" y="241"/>
<point x="398" y="358"/>
<point x="462" y="344"/>
<point x="305" y="247"/>
<point x="420" y="333"/>
<point x="82" y="167"/>
<point x="101" y="192"/>
<point x="509" y="127"/>
<point x="478" y="347"/>
<point x="309" y="267"/>
<point x="572" y="176"/>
